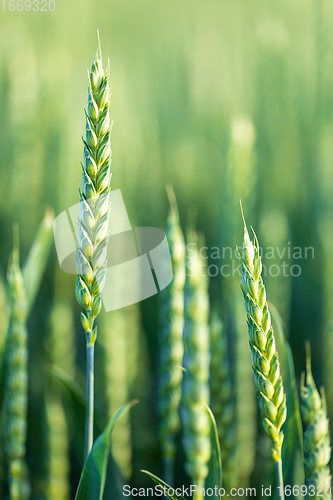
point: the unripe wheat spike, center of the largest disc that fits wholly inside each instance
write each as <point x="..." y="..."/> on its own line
<point x="16" y="385"/>
<point x="317" y="446"/>
<point x="171" y="323"/>
<point x="222" y="400"/>
<point x="265" y="361"/>
<point x="195" y="396"/>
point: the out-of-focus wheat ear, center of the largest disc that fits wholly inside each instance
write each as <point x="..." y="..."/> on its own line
<point x="4" y="314"/>
<point x="265" y="360"/>
<point x="240" y="182"/>
<point x="222" y="398"/>
<point x="112" y="380"/>
<point x="61" y="353"/>
<point x="141" y="388"/>
<point x="245" y="393"/>
<point x="241" y="172"/>
<point x="170" y="338"/>
<point x="57" y="484"/>
<point x="195" y="393"/>
<point x="317" y="445"/>
<point x="326" y="238"/>
<point x="16" y="381"/>
<point x="275" y="230"/>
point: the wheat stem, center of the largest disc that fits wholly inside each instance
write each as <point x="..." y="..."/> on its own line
<point x="279" y="478"/>
<point x="89" y="424"/>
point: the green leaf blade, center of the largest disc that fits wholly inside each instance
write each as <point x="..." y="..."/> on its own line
<point x="214" y="478"/>
<point x="92" y="481"/>
<point x="161" y="483"/>
<point x="34" y="265"/>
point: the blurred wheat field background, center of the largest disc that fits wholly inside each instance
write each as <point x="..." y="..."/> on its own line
<point x="223" y="100"/>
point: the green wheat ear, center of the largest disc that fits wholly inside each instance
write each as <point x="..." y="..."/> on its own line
<point x="317" y="446"/>
<point x="222" y="400"/>
<point x="171" y="323"/>
<point x="95" y="199"/>
<point x="16" y="383"/>
<point x="195" y="396"/>
<point x="265" y="361"/>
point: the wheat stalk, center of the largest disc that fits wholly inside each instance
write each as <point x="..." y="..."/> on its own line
<point x="171" y="323"/>
<point x="16" y="383"/>
<point x="265" y="361"/>
<point x="317" y="447"/>
<point x="93" y="219"/>
<point x="195" y="395"/>
<point x="222" y="401"/>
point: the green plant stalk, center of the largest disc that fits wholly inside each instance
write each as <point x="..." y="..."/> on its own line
<point x="93" y="220"/>
<point x="265" y="361"/>
<point x="171" y="350"/>
<point x="279" y="477"/>
<point x="89" y="424"/>
<point x="199" y="493"/>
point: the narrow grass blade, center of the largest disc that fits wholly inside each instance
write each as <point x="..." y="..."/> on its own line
<point x="92" y="482"/>
<point x="32" y="272"/>
<point x="293" y="442"/>
<point x="165" y="486"/>
<point x="214" y="477"/>
<point x="34" y="265"/>
<point x="74" y="389"/>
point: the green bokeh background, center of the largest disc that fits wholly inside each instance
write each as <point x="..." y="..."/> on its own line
<point x="181" y="74"/>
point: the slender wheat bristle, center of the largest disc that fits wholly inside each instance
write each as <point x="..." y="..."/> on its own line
<point x="171" y="323"/>
<point x="195" y="395"/>
<point x="265" y="361"/>
<point x="16" y="383"/>
<point x="317" y="446"/>
<point x="222" y="401"/>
